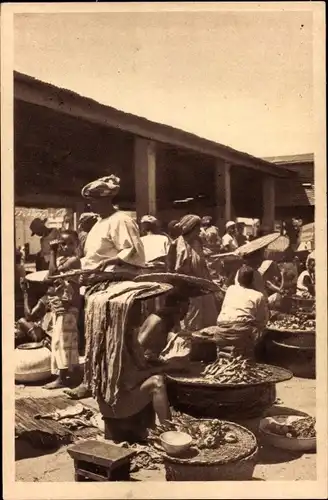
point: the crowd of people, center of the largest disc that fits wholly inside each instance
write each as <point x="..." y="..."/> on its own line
<point x="108" y="240"/>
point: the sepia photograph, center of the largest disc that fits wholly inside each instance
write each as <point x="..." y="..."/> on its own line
<point x="163" y="207"/>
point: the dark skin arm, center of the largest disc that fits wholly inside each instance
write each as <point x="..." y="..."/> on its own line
<point x="309" y="285"/>
<point x="37" y="312"/>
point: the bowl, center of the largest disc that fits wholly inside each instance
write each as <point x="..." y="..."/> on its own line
<point x="283" y="442"/>
<point x="175" y="443"/>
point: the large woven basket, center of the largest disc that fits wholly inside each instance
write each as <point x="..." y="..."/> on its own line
<point x="191" y="285"/>
<point x="221" y="402"/>
<point x="233" y="462"/>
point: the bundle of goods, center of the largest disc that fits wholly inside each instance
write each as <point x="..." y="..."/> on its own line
<point x="291" y="322"/>
<point x="235" y="389"/>
<point x="219" y="450"/>
<point x="296" y="433"/>
<point x="236" y="371"/>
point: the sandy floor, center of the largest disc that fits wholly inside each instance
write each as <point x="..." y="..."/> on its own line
<point x="298" y="394"/>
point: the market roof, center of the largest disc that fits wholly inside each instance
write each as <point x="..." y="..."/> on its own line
<point x="30" y="89"/>
<point x="291" y="159"/>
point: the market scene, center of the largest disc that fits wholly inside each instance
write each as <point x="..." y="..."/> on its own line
<point x="165" y="299"/>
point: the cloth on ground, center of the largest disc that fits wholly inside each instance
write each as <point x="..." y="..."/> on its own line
<point x="73" y="417"/>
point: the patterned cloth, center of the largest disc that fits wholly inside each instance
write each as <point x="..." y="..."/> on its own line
<point x="188" y="222"/>
<point x="64" y="341"/>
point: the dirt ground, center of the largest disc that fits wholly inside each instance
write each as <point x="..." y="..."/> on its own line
<point x="273" y="464"/>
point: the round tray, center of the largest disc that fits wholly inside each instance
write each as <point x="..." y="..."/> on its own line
<point x="279" y="375"/>
<point x="283" y="442"/>
<point x="224" y="453"/>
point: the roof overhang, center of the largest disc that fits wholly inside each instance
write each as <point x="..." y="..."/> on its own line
<point x="33" y="91"/>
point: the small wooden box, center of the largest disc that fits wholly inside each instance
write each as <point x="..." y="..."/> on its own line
<point x="100" y="461"/>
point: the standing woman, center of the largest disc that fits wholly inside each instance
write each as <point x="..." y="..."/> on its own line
<point x="186" y="257"/>
<point x="113" y="243"/>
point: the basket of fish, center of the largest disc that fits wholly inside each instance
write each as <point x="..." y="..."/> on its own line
<point x="289" y="432"/>
<point x="217" y="450"/>
<point x="228" y="388"/>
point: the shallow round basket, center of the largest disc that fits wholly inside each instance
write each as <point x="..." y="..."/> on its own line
<point x="191" y="285"/>
<point x="283" y="442"/>
<point x="297" y="338"/>
<point x="230" y="461"/>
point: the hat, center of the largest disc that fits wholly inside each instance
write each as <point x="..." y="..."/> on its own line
<point x="107" y="186"/>
<point x="35" y="224"/>
<point x="230" y="223"/>
<point x="149" y="218"/>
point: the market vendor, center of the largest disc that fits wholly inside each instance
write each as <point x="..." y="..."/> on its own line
<point x="156" y="245"/>
<point x="243" y="316"/>
<point x="113" y="243"/>
<point x="254" y="261"/>
<point x="306" y="281"/>
<point x="160" y="335"/>
<point x="186" y="256"/>
<point x="274" y="280"/>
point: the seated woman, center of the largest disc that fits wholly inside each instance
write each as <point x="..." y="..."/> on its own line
<point x="306" y="281"/>
<point x="159" y="334"/>
<point x="274" y="281"/>
<point x="243" y="316"/>
<point x="37" y="321"/>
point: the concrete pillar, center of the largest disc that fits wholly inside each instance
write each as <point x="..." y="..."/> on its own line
<point x="224" y="209"/>
<point x="145" y="176"/>
<point x="269" y="202"/>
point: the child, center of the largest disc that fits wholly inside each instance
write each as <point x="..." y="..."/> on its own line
<point x="64" y="302"/>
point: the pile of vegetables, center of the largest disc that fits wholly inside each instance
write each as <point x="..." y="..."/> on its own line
<point x="208" y="434"/>
<point x="302" y="428"/>
<point x="292" y="322"/>
<point x="235" y="371"/>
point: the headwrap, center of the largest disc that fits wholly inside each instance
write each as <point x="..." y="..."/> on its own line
<point x="207" y="219"/>
<point x="150" y="219"/>
<point x="88" y="216"/>
<point x="311" y="256"/>
<point x="188" y="222"/>
<point x="230" y="223"/>
<point x="103" y="187"/>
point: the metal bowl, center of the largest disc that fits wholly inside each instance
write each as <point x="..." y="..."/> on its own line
<point x="283" y="442"/>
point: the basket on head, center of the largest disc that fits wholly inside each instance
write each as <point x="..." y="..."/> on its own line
<point x="190" y="285"/>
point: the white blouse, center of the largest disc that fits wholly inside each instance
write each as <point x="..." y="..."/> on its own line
<point x="114" y="237"/>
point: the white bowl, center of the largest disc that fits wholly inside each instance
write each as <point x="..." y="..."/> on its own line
<point x="283" y="442"/>
<point x="175" y="443"/>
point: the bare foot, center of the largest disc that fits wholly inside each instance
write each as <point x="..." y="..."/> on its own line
<point x="79" y="392"/>
<point x="56" y="384"/>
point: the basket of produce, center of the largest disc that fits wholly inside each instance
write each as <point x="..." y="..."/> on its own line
<point x="218" y="450"/>
<point x="291" y="323"/>
<point x="289" y="432"/>
<point x="227" y="389"/>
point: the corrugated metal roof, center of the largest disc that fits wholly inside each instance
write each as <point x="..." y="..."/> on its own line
<point x="293" y="194"/>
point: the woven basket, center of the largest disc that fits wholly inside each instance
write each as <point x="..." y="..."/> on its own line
<point x="301" y="361"/>
<point x="193" y="286"/>
<point x="229" y="461"/>
<point x="241" y="470"/>
<point x="221" y="402"/>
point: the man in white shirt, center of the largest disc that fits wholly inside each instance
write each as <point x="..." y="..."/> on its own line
<point x="243" y="315"/>
<point x="229" y="240"/>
